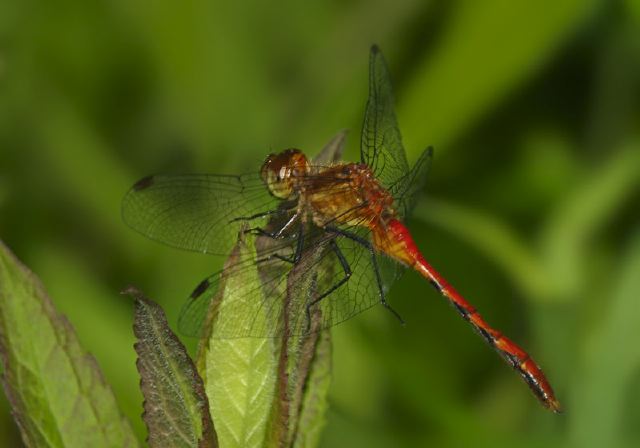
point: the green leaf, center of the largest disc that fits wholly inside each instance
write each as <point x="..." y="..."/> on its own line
<point x="176" y="409"/>
<point x="57" y="392"/>
<point x="240" y="374"/>
<point x="314" y="404"/>
<point x="295" y="368"/>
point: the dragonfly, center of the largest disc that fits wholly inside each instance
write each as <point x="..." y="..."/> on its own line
<point x="330" y="237"/>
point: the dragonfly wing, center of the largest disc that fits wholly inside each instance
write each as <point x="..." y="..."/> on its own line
<point x="195" y="315"/>
<point x="260" y="296"/>
<point x="255" y="298"/>
<point x="408" y="189"/>
<point x="242" y="299"/>
<point x="381" y="144"/>
<point x="196" y="212"/>
<point x="346" y="269"/>
<point x="332" y="152"/>
<point x="335" y="281"/>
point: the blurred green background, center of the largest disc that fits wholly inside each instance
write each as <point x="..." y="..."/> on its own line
<point x="531" y="208"/>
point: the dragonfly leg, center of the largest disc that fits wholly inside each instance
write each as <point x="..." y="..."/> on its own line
<point x="259" y="215"/>
<point x="277" y="233"/>
<point x="374" y="260"/>
<point x="347" y="275"/>
<point x="299" y="246"/>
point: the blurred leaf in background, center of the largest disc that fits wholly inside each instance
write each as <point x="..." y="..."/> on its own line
<point x="531" y="208"/>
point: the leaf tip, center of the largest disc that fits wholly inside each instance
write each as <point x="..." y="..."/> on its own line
<point x="136" y="294"/>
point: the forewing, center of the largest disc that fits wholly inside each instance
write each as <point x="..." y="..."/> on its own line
<point x="196" y="212"/>
<point x="381" y="144"/>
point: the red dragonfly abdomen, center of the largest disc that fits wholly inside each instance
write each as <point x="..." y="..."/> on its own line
<point x="394" y="240"/>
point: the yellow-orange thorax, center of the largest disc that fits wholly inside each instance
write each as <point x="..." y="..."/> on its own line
<point x="346" y="193"/>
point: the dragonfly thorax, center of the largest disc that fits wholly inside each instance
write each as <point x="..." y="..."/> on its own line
<point x="279" y="172"/>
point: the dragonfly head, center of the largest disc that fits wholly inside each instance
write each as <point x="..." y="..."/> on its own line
<point x="281" y="171"/>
